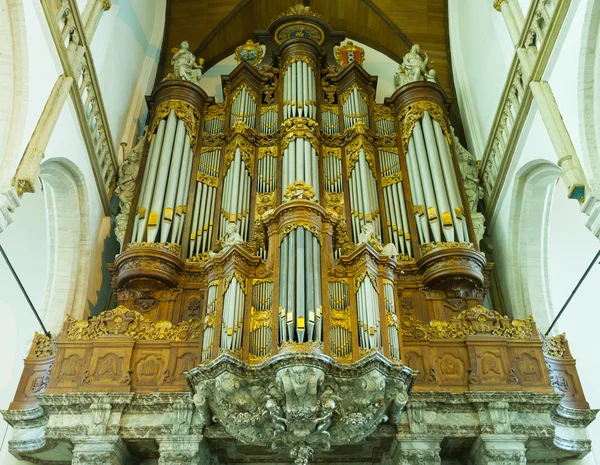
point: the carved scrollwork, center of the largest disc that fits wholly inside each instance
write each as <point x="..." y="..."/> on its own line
<point x="127" y="322"/>
<point x="476" y="320"/>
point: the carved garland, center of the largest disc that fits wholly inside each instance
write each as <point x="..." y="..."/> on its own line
<point x="246" y="152"/>
<point x="184" y="111"/>
<point x="353" y="153"/>
<point x="288" y="228"/>
<point x="476" y="320"/>
<point x="239" y="278"/>
<point x="175" y="249"/>
<point x="128" y="322"/>
<point x="414" y="112"/>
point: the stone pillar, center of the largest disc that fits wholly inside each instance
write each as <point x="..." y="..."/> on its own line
<point x="100" y="450"/>
<point x="514" y="23"/>
<point x="28" y="171"/>
<point x="181" y="449"/>
<point x="91" y="16"/>
<point x="499" y="449"/>
<point x="573" y="175"/>
<point x="416" y="449"/>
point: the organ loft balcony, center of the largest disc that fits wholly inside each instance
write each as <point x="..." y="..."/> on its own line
<point x="300" y="280"/>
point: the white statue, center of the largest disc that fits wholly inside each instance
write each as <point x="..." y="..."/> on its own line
<point x="231" y="237"/>
<point x="469" y="169"/>
<point x="414" y="68"/>
<point x="390" y="250"/>
<point x="367" y="236"/>
<point x="128" y="173"/>
<point x="185" y="66"/>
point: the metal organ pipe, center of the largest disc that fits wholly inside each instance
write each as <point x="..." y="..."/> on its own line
<point x="299" y="90"/>
<point x="150" y="181"/>
<point x="204" y="201"/>
<point x="456" y="206"/>
<point x="300" y="304"/>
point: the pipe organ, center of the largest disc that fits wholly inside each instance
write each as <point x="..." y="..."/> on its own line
<point x="303" y="198"/>
<point x="290" y="250"/>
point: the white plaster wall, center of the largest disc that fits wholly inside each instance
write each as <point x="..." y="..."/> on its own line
<point x="560" y="231"/>
<point x="125" y="47"/>
<point x="126" y="50"/>
<point x="481" y="52"/>
<point x="25" y="244"/>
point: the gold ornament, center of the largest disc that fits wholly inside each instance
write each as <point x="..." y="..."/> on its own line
<point x="554" y="346"/>
<point x="349" y="53"/>
<point x="251" y="52"/>
<point x="43" y="346"/>
<point x="123" y="321"/>
<point x="184" y="111"/>
<point x="429" y="247"/>
<point x="414" y="112"/>
<point x="175" y="249"/>
<point x="299" y="190"/>
<point x="476" y="320"/>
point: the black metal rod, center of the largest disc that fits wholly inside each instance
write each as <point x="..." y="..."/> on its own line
<point x="564" y="307"/>
<point x="46" y="332"/>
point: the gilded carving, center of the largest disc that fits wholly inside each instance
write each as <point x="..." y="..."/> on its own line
<point x="414" y="112"/>
<point x="127" y="322"/>
<point x="353" y="154"/>
<point x="429" y="247"/>
<point x="299" y="190"/>
<point x="476" y="320"/>
<point x="251" y="52"/>
<point x="334" y="202"/>
<point x="555" y="346"/>
<point x="175" y="249"/>
<point x="288" y="228"/>
<point x="349" y="53"/>
<point x="329" y="89"/>
<point x="43" y="346"/>
<point x="184" y="111"/>
<point x="246" y="152"/>
<point x="270" y="88"/>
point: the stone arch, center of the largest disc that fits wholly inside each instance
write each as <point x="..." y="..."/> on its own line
<point x="14" y="89"/>
<point x="528" y="241"/>
<point x="69" y="243"/>
<point x="589" y="94"/>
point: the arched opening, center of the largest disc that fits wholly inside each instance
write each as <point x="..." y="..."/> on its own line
<point x="530" y="215"/>
<point x="68" y="241"/>
<point x="589" y="94"/>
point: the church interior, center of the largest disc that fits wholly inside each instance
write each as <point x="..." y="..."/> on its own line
<point x="299" y="232"/>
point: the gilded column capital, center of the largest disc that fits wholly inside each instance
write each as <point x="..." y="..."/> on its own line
<point x="105" y="4"/>
<point x="498" y="4"/>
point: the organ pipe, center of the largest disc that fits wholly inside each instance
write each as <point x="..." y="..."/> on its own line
<point x="242" y="173"/>
<point x="299" y="84"/>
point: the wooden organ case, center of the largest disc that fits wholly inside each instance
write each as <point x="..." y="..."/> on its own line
<point x="298" y="233"/>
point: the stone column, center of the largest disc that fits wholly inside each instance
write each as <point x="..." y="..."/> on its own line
<point x="514" y="23"/>
<point x="573" y="175"/>
<point x="499" y="449"/>
<point x="91" y="16"/>
<point x="181" y="450"/>
<point x="100" y="450"/>
<point x="28" y="171"/>
<point x="416" y="449"/>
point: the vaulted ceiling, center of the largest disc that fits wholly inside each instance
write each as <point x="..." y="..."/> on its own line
<point x="215" y="27"/>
